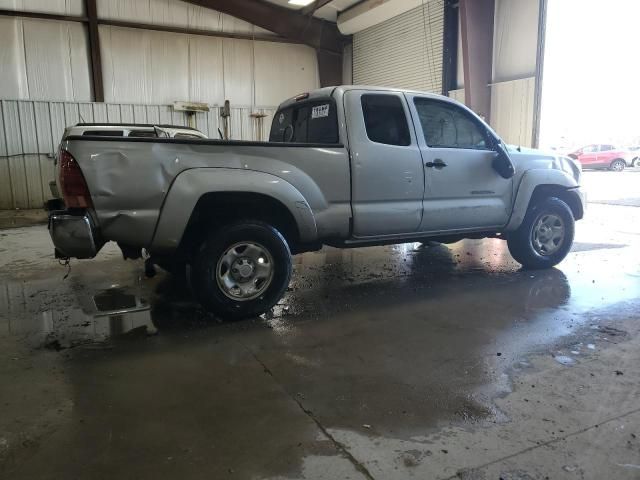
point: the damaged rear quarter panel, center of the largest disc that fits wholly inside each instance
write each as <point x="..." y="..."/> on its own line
<point x="129" y="180"/>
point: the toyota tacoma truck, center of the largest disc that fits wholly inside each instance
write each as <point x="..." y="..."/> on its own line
<point x="345" y="166"/>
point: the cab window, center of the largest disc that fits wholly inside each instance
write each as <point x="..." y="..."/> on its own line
<point x="306" y="122"/>
<point x="445" y="125"/>
<point x="385" y="120"/>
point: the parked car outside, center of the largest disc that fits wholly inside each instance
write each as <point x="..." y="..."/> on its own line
<point x="635" y="155"/>
<point x="603" y="156"/>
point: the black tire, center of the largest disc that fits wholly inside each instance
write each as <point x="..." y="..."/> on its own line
<point x="617" y="165"/>
<point x="204" y="269"/>
<point x="177" y="268"/>
<point x="521" y="242"/>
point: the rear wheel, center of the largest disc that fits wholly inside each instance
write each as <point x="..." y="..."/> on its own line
<point x="241" y="270"/>
<point x="617" y="165"/>
<point x="545" y="236"/>
<point x="177" y="268"/>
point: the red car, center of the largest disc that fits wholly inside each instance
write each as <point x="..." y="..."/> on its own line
<point x="603" y="156"/>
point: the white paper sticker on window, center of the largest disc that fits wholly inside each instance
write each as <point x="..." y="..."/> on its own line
<point x="320" y="111"/>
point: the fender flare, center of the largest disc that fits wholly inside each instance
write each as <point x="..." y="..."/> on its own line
<point x="190" y="185"/>
<point x="530" y="180"/>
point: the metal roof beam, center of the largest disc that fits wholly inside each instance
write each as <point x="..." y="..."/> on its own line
<point x="312" y="7"/>
<point x="292" y="24"/>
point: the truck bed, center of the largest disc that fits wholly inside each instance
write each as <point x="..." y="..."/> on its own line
<point x="128" y="206"/>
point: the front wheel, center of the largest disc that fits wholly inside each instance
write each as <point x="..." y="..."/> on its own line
<point x="545" y="236"/>
<point x="617" y="165"/>
<point x="241" y="270"/>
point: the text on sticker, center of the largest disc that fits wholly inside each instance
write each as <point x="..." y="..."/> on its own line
<point x="320" y="111"/>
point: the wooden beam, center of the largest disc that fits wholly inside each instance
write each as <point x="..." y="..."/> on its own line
<point x="94" y="51"/>
<point x="312" y="7"/>
<point x="291" y="24"/>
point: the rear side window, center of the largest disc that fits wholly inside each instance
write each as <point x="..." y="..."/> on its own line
<point x="103" y="133"/>
<point x="385" y="120"/>
<point x="308" y="122"/>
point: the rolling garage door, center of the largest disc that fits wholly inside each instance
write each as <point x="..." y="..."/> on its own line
<point x="404" y="51"/>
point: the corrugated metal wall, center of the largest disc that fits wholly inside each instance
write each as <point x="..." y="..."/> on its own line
<point x="49" y="60"/>
<point x="515" y="39"/>
<point x="31" y="130"/>
<point x="457" y="94"/>
<point x="61" y="7"/>
<point x="404" y="51"/>
<point x="165" y="67"/>
<point x="512" y="110"/>
<point x="45" y="80"/>
<point x="44" y="60"/>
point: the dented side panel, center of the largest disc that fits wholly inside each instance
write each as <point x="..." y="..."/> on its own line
<point x="129" y="181"/>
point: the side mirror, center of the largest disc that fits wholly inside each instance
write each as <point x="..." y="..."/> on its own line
<point x="502" y="163"/>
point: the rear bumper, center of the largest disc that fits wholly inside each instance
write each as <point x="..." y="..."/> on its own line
<point x="73" y="234"/>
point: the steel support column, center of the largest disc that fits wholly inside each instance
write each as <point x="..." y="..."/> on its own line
<point x="450" y="47"/>
<point x="537" y="99"/>
<point x="329" y="68"/>
<point x="94" y="50"/>
<point x="477" y="53"/>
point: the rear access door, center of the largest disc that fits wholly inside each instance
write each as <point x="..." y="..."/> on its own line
<point x="386" y="165"/>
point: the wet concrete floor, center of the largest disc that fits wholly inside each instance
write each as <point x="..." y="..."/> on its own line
<point x="408" y="361"/>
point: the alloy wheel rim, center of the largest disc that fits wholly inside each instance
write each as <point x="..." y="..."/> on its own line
<point x="548" y="234"/>
<point x="244" y="271"/>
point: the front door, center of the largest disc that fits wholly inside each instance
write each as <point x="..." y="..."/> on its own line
<point x="606" y="154"/>
<point x="387" y="176"/>
<point x="462" y="191"/>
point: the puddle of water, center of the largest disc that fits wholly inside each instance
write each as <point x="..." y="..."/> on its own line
<point x="564" y="360"/>
<point x="107" y="315"/>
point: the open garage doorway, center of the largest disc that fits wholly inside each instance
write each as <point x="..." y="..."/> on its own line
<point x="590" y="102"/>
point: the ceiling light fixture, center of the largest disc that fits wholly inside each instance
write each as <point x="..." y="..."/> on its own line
<point x="300" y="3"/>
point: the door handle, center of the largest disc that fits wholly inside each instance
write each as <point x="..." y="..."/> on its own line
<point x="437" y="163"/>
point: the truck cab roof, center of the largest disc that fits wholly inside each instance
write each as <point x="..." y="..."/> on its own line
<point x="327" y="92"/>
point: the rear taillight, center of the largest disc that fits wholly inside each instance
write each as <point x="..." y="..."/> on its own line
<point x="74" y="188"/>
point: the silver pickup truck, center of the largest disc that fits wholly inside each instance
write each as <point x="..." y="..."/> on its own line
<point x="344" y="166"/>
